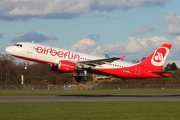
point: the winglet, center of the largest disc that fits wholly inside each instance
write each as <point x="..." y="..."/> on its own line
<point x="122" y="58"/>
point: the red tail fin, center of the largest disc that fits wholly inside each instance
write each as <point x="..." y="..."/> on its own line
<point x="156" y="60"/>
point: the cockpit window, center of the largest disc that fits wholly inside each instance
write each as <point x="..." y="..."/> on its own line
<point x="19" y="45"/>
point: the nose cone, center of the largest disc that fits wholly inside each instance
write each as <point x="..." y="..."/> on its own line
<point x="9" y="50"/>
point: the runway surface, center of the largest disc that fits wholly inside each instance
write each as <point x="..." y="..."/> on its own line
<point x="91" y="98"/>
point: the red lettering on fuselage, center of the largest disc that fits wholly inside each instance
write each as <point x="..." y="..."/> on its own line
<point x="61" y="54"/>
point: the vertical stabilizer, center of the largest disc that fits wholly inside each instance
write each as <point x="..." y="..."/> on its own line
<point x="156" y="60"/>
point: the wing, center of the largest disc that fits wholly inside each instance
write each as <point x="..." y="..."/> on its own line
<point x="94" y="63"/>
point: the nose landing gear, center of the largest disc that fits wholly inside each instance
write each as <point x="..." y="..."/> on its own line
<point x="26" y="65"/>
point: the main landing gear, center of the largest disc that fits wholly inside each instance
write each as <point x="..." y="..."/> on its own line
<point x="81" y="77"/>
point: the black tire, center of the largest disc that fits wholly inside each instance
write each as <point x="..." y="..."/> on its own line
<point x="85" y="78"/>
<point x="78" y="79"/>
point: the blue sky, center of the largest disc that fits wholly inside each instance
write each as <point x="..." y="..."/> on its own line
<point x="133" y="28"/>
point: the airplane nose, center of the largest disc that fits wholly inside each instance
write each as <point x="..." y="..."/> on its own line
<point x="9" y="50"/>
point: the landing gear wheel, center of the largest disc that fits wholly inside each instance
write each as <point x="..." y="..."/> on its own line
<point x="78" y="79"/>
<point x="85" y="78"/>
<point x="25" y="67"/>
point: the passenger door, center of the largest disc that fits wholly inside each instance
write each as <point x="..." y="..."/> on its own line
<point x="137" y="70"/>
<point x="30" y="48"/>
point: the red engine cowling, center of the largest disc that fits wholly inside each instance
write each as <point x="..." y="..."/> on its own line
<point x="63" y="66"/>
<point x="66" y="66"/>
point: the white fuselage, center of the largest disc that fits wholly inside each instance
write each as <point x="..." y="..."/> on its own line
<point x="67" y="61"/>
<point x="52" y="55"/>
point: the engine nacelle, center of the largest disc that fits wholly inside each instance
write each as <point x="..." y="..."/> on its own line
<point x="63" y="66"/>
<point x="66" y="66"/>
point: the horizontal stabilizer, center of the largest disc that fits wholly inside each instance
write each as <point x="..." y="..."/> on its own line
<point x="163" y="73"/>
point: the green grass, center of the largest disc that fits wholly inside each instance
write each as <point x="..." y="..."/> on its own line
<point x="91" y="111"/>
<point x="85" y="92"/>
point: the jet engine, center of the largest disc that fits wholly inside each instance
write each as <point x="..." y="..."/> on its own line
<point x="63" y="66"/>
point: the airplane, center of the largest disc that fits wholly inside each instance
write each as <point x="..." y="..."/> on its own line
<point x="67" y="61"/>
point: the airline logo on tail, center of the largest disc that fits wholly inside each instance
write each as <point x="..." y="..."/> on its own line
<point x="159" y="56"/>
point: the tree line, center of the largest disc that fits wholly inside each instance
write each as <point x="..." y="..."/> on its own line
<point x="40" y="74"/>
<point x="36" y="74"/>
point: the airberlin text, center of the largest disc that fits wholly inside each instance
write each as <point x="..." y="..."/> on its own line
<point x="61" y="54"/>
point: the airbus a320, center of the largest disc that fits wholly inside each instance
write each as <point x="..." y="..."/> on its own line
<point x="67" y="61"/>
